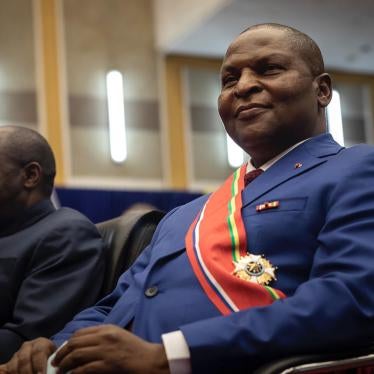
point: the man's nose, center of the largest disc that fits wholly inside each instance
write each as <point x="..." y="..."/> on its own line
<point x="248" y="84"/>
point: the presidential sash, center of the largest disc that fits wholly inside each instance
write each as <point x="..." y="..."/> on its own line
<point x="216" y="245"/>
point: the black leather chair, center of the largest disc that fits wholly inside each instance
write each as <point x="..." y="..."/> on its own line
<point x="126" y="236"/>
<point x="353" y="361"/>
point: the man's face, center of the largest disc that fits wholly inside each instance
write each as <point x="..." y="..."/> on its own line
<point x="268" y="96"/>
<point x="11" y="187"/>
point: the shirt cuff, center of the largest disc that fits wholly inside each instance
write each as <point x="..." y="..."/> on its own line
<point x="177" y="352"/>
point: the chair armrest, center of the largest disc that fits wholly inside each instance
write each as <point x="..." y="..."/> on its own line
<point x="321" y="363"/>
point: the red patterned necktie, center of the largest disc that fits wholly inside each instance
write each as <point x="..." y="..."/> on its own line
<point x="249" y="177"/>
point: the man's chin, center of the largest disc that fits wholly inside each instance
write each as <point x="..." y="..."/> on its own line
<point x="253" y="133"/>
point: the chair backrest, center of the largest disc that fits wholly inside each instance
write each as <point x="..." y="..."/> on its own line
<point x="126" y="236"/>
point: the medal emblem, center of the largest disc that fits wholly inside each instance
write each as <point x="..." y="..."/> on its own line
<point x="254" y="268"/>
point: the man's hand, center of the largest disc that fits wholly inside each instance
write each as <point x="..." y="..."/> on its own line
<point x="110" y="349"/>
<point x="31" y="358"/>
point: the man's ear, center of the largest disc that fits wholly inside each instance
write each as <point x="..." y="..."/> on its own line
<point x="32" y="175"/>
<point x="324" y="89"/>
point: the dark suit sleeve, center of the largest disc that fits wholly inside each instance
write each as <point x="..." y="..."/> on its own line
<point x="64" y="276"/>
<point x="334" y="308"/>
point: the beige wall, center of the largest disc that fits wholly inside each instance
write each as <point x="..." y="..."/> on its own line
<point x="101" y="36"/>
<point x="17" y="67"/>
<point x="208" y="160"/>
<point x="175" y="18"/>
<point x="111" y="34"/>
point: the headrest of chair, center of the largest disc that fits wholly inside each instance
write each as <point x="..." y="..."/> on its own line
<point x="126" y="236"/>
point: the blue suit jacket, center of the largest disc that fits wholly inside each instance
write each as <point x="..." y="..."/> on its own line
<point x="321" y="238"/>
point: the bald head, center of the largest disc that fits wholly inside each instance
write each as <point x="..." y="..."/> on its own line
<point x="301" y="43"/>
<point x="22" y="146"/>
<point x="273" y="90"/>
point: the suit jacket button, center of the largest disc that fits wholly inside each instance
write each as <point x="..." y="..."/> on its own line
<point x="151" y="291"/>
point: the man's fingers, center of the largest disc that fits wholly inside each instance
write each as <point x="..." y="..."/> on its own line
<point x="12" y="365"/>
<point x="93" y="330"/>
<point x="82" y="338"/>
<point x="68" y="347"/>
<point x="89" y="337"/>
<point x="79" y="357"/>
<point x="24" y="360"/>
<point x="29" y="359"/>
<point x="95" y="367"/>
<point x="39" y="357"/>
<point x="72" y="345"/>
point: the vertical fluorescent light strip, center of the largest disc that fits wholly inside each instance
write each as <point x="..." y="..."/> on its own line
<point x="116" y="113"/>
<point x="334" y="115"/>
<point x="235" y="154"/>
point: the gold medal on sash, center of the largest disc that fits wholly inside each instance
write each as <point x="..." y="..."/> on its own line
<point x="254" y="268"/>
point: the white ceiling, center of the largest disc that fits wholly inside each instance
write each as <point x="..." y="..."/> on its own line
<point x="344" y="29"/>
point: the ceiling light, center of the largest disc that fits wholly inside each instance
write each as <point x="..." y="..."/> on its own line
<point x="116" y="114"/>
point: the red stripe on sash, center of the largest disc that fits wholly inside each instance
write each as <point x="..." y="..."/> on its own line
<point x="212" y="295"/>
<point x="209" y="244"/>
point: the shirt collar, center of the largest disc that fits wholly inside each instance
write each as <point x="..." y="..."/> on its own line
<point x="271" y="162"/>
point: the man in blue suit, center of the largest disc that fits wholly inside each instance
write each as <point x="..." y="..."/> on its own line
<point x="259" y="269"/>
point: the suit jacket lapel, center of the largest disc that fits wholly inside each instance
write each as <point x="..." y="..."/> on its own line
<point x="173" y="235"/>
<point x="309" y="154"/>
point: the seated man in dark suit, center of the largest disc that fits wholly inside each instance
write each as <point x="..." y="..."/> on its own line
<point x="260" y="269"/>
<point x="51" y="261"/>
